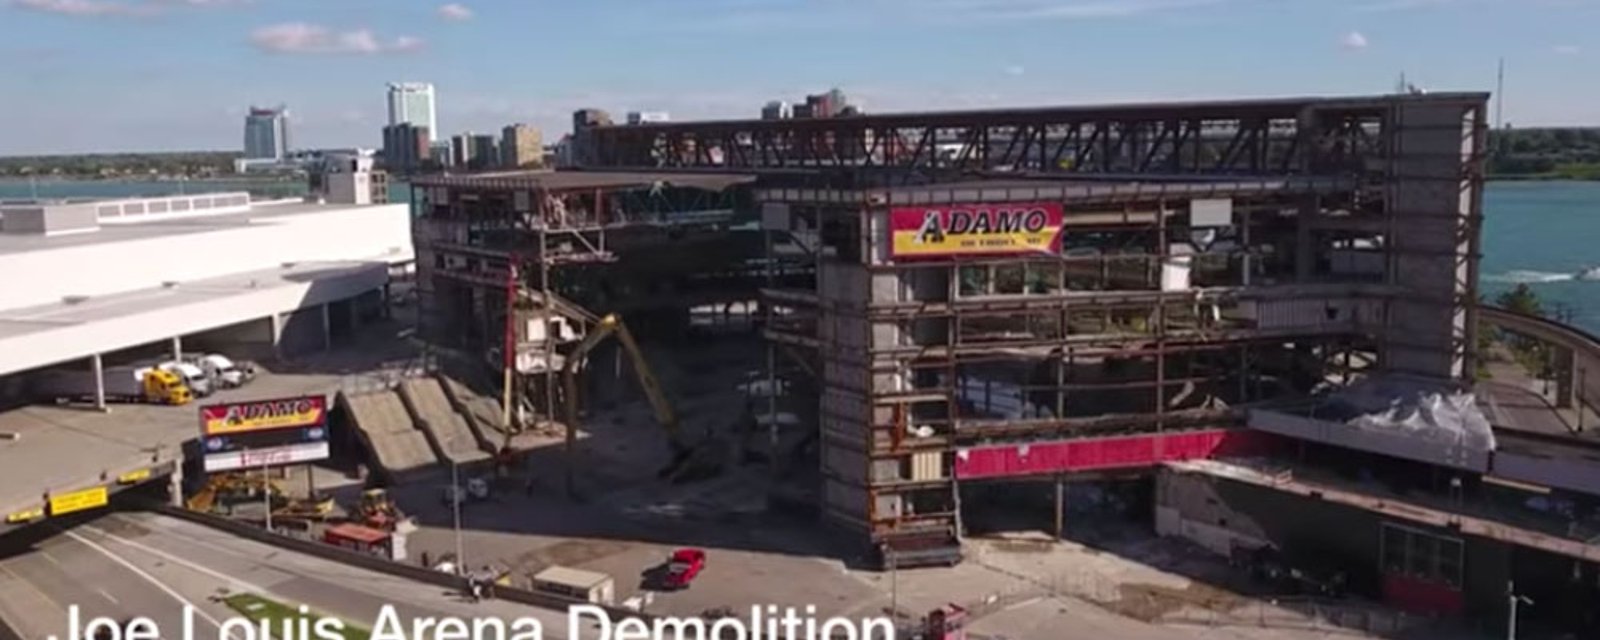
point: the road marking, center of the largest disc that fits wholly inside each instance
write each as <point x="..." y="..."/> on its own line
<point x="33" y="587"/>
<point x="108" y="596"/>
<point x="49" y="557"/>
<point x="234" y="583"/>
<point x="146" y="575"/>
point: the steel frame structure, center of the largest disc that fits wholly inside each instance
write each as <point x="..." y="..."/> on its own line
<point x="1255" y="137"/>
<point x="497" y="243"/>
<point x="1398" y="177"/>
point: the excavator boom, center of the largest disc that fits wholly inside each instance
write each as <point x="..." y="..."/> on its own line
<point x="607" y="326"/>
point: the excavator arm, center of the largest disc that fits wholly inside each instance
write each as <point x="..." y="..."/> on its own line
<point x="607" y="326"/>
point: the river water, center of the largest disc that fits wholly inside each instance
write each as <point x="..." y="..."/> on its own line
<point x="1545" y="234"/>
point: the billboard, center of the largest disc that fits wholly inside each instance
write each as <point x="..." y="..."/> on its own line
<point x="263" y="415"/>
<point x="975" y="230"/>
<point x="272" y="457"/>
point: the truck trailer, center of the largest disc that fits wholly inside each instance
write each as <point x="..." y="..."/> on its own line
<point x="122" y="384"/>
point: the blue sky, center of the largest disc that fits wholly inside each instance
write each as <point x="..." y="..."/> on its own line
<point x="106" y="75"/>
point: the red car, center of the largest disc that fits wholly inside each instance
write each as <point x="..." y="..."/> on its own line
<point x="684" y="565"/>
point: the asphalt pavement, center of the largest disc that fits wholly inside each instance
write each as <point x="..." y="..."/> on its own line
<point x="138" y="564"/>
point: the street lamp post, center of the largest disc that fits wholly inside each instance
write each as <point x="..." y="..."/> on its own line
<point x="455" y="504"/>
<point x="266" y="491"/>
<point x="1514" y="600"/>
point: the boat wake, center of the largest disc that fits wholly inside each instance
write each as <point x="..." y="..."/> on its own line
<point x="1519" y="276"/>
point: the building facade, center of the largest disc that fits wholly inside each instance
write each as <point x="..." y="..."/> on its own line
<point x="413" y="103"/>
<point x="266" y="134"/>
<point x="483" y="151"/>
<point x="777" y="110"/>
<point x="521" y="146"/>
<point x="406" y="147"/>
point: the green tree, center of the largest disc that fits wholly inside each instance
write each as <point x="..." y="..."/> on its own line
<point x="1521" y="299"/>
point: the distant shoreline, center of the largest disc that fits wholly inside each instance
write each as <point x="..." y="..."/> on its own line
<point x="173" y="179"/>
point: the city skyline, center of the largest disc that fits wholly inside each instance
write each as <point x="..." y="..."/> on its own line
<point x="331" y="61"/>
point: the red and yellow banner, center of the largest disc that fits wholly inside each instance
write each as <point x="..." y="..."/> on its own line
<point x="262" y="415"/>
<point x="975" y="230"/>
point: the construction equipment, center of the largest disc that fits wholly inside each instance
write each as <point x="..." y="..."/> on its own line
<point x="315" y="508"/>
<point x="378" y="511"/>
<point x="690" y="460"/>
<point x="228" y="489"/>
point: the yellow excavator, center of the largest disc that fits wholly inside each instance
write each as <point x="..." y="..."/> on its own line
<point x="690" y="460"/>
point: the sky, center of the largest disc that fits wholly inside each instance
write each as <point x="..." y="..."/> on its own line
<point x="160" y="75"/>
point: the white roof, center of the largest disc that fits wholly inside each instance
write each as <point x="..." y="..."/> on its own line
<point x="572" y="577"/>
<point x="49" y="334"/>
<point x="258" y="213"/>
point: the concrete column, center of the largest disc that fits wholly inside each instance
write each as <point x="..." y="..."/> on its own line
<point x="1304" y="260"/>
<point x="175" y="484"/>
<point x="177" y="347"/>
<point x="1061" y="499"/>
<point x="99" y="381"/>
<point x="327" y="327"/>
<point x="1566" y="372"/>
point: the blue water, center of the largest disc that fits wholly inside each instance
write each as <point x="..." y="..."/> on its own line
<point x="1544" y="234"/>
<point x="1541" y="233"/>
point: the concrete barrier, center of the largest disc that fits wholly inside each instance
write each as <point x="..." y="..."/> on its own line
<point x="374" y="563"/>
<point x="405" y="570"/>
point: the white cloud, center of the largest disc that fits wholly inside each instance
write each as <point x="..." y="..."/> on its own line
<point x="455" y="11"/>
<point x="304" y="38"/>
<point x="81" y="7"/>
<point x="96" y="8"/>
<point x="1567" y="49"/>
<point x="1015" y="70"/>
<point x="1353" y="41"/>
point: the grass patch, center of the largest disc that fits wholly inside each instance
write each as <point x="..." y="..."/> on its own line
<point x="257" y="608"/>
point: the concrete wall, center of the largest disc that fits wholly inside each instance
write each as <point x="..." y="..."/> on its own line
<point x="1431" y="201"/>
<point x="381" y="232"/>
<point x="1214" y="513"/>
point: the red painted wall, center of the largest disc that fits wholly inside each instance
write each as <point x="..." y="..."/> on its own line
<point x="1095" y="454"/>
<point x="1419" y="596"/>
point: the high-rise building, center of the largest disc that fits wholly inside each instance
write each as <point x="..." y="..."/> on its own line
<point x="521" y="146"/>
<point x="461" y="149"/>
<point x="266" y="134"/>
<point x="776" y="110"/>
<point x="412" y="102"/>
<point x="406" y="147"/>
<point x="485" y="150"/>
<point x="440" y="152"/>
<point x="826" y="105"/>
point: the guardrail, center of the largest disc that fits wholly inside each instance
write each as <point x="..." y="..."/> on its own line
<point x="113" y="479"/>
<point x="415" y="572"/>
<point x="1584" y="346"/>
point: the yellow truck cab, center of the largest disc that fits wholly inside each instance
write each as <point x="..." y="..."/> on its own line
<point x="165" y="387"/>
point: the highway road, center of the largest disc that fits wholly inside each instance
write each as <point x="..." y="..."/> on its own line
<point x="140" y="564"/>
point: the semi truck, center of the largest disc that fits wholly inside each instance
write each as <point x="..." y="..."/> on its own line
<point x="193" y="377"/>
<point x="222" y="371"/>
<point x="122" y="384"/>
